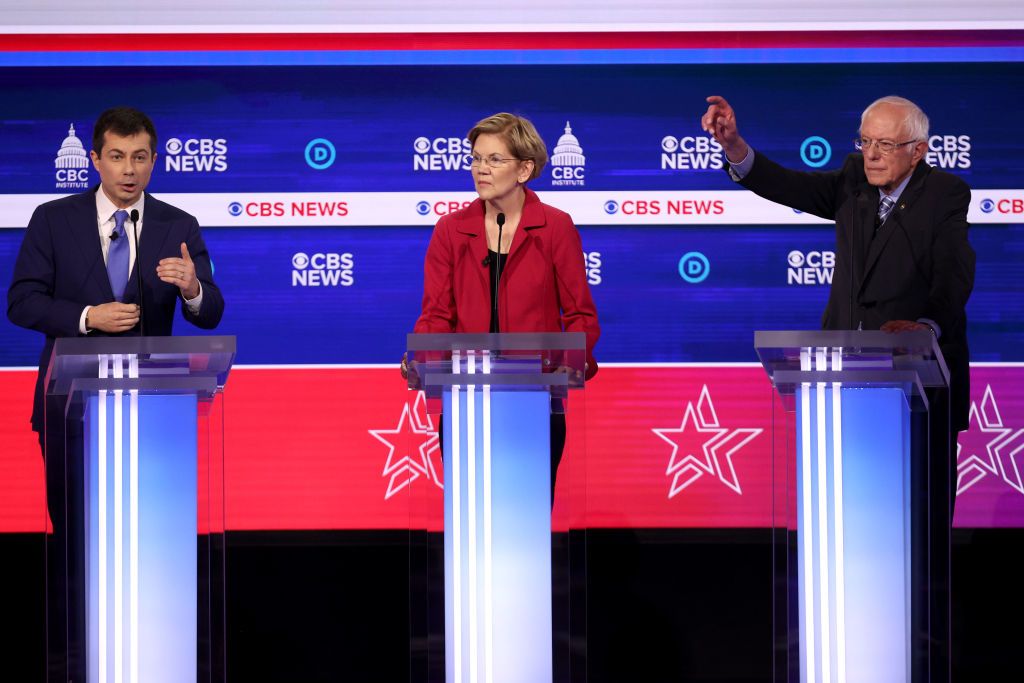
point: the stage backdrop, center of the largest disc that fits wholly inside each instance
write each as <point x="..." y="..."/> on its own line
<point x="317" y="168"/>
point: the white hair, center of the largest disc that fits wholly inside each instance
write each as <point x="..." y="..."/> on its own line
<point x="916" y="121"/>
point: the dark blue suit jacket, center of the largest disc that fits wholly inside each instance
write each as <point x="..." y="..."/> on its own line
<point x="60" y="270"/>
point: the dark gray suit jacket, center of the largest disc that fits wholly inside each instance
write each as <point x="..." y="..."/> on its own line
<point x="919" y="265"/>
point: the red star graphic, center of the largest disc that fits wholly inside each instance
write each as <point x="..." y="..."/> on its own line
<point x="698" y="444"/>
<point x="411" y="445"/>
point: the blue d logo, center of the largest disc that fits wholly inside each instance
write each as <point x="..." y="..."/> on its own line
<point x="320" y="153"/>
<point x="694" y="267"/>
<point x="815" y="151"/>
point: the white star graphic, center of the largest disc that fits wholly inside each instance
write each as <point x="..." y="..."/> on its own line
<point x="691" y="466"/>
<point x="408" y="466"/>
<point x="1001" y="444"/>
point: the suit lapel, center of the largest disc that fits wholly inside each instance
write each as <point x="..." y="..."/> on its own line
<point x="472" y="227"/>
<point x="895" y="220"/>
<point x="83" y="226"/>
<point x="153" y="235"/>
<point x="533" y="217"/>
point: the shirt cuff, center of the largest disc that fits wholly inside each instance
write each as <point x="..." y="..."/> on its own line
<point x="740" y="169"/>
<point x="932" y="324"/>
<point x="81" y="320"/>
<point x="195" y="304"/>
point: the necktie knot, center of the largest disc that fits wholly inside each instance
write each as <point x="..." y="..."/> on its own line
<point x="119" y="218"/>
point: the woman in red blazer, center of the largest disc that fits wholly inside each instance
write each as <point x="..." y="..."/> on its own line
<point x="539" y="266"/>
<point x="543" y="280"/>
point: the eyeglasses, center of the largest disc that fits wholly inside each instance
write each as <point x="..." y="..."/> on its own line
<point x="884" y="146"/>
<point x="493" y="160"/>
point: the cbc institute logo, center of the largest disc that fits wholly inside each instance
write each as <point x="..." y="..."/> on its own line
<point x="568" y="165"/>
<point x="72" y="164"/>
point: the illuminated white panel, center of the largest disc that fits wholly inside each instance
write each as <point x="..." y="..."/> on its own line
<point x="526" y="15"/>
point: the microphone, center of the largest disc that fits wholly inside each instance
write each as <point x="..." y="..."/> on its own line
<point x="138" y="269"/>
<point x="500" y="220"/>
<point x="487" y="261"/>
<point x="853" y="259"/>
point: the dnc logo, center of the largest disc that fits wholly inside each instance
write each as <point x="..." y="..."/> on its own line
<point x="320" y="153"/>
<point x="694" y="267"/>
<point x="815" y="151"/>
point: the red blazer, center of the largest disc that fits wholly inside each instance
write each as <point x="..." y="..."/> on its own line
<point x="543" y="284"/>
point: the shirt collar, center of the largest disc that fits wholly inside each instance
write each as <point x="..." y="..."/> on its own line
<point x="105" y="208"/>
<point x="895" y="194"/>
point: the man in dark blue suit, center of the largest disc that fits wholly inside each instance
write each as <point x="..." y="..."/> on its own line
<point x="77" y="274"/>
<point x="62" y="286"/>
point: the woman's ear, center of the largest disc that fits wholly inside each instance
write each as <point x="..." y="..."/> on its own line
<point x="526" y="171"/>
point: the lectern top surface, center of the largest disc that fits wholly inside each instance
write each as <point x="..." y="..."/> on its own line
<point x="148" y="358"/>
<point x="846" y="355"/>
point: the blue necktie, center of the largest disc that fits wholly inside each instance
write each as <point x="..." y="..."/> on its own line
<point x="885" y="208"/>
<point x="117" y="257"/>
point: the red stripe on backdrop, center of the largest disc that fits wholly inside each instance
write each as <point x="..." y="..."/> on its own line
<point x="341" y="449"/>
<point x="230" y="42"/>
<point x="22" y="482"/>
<point x="649" y="447"/>
<point x="677" y="447"/>
<point x="299" y="454"/>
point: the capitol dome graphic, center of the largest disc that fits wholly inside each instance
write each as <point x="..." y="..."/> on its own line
<point x="72" y="153"/>
<point x="568" y="151"/>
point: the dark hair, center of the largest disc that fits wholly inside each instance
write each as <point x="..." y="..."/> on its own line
<point x="123" y="121"/>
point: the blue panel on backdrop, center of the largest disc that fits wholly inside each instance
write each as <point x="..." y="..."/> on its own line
<point x="236" y="129"/>
<point x="648" y="311"/>
<point x="378" y="116"/>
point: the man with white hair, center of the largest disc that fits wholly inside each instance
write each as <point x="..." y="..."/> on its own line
<point x="903" y="262"/>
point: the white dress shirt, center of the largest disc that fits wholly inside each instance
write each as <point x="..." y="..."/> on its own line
<point x="105" y="210"/>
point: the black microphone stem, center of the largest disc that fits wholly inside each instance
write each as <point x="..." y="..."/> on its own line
<point x="500" y="220"/>
<point x="138" y="270"/>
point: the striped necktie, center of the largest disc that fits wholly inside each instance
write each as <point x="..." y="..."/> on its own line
<point x="885" y="208"/>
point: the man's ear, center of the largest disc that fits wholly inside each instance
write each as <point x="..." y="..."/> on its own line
<point x="920" y="148"/>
